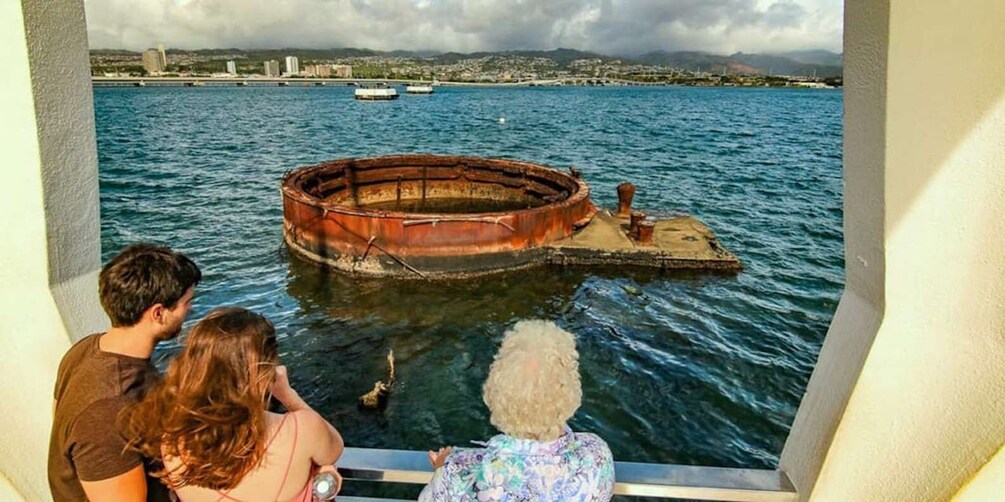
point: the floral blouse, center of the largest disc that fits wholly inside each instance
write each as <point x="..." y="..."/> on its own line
<point x="576" y="466"/>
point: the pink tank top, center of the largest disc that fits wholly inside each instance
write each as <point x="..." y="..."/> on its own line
<point x="304" y="495"/>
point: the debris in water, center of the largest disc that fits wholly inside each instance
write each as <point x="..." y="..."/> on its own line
<point x="377" y="398"/>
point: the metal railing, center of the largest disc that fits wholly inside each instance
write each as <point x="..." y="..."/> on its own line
<point x="631" y="478"/>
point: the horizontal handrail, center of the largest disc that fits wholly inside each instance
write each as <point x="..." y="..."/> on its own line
<point x="631" y="478"/>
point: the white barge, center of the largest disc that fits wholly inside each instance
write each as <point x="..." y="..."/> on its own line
<point x="419" y="89"/>
<point x="376" y="93"/>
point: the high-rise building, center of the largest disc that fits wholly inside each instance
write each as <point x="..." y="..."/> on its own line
<point x="152" y="62"/>
<point x="272" y="68"/>
<point x="292" y="65"/>
<point x="231" y="67"/>
<point x="342" y="71"/>
<point x="163" y="56"/>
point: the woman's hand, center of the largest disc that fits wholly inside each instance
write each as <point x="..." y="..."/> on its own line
<point x="438" y="457"/>
<point x="281" y="390"/>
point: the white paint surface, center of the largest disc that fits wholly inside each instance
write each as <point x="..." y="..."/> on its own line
<point x="925" y="414"/>
<point x="988" y="484"/>
<point x="50" y="247"/>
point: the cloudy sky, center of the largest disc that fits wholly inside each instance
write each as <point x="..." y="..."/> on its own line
<point x="614" y="27"/>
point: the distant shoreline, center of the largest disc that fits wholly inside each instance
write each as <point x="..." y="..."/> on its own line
<point x="258" y="81"/>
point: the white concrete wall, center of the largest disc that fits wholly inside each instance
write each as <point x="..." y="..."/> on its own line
<point x="51" y="245"/>
<point x="860" y="311"/>
<point x="7" y="491"/>
<point x="988" y="484"/>
<point x="925" y="414"/>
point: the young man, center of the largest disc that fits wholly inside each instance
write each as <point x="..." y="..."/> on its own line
<point x="147" y="292"/>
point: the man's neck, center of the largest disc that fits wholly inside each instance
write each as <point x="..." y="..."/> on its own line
<point x="130" y="341"/>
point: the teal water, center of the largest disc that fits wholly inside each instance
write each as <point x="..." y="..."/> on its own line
<point x="690" y="368"/>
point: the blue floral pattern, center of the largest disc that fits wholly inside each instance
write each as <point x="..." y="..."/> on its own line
<point x="576" y="466"/>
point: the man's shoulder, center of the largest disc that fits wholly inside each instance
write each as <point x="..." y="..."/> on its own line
<point x="78" y="351"/>
<point x="70" y="365"/>
<point x="91" y="382"/>
<point x="100" y="416"/>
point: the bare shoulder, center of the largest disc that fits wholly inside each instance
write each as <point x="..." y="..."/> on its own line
<point x="309" y="422"/>
<point x="318" y="437"/>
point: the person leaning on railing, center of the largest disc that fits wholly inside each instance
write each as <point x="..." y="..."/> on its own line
<point x="532" y="390"/>
<point x="146" y="291"/>
<point x="210" y="424"/>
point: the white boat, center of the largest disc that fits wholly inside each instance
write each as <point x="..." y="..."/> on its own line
<point x="419" y="89"/>
<point x="376" y="93"/>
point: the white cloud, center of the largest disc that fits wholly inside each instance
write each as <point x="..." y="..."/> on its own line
<point x="617" y="27"/>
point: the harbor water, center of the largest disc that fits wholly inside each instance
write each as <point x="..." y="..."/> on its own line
<point x="686" y="367"/>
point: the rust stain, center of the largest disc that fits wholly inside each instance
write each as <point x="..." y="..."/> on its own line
<point x="326" y="214"/>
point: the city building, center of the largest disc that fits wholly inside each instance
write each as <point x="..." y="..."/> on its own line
<point x="231" y="67"/>
<point x="292" y="65"/>
<point x="328" y="70"/>
<point x="319" y="70"/>
<point x="163" y="56"/>
<point x="272" y="68"/>
<point x="152" y="62"/>
<point x="341" y="71"/>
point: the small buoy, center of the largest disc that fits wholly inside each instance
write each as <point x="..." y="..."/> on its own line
<point x="502" y="120"/>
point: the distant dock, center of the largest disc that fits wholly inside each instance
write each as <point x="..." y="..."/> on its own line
<point x="103" y="81"/>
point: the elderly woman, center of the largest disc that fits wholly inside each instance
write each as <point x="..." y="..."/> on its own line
<point x="532" y="390"/>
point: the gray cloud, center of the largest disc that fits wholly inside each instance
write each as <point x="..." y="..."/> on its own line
<point x="620" y="27"/>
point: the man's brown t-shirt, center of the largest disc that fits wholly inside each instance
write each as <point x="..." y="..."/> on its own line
<point x="86" y="444"/>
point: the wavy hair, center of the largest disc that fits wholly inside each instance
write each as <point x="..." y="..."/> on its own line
<point x="210" y="409"/>
<point x="533" y="386"/>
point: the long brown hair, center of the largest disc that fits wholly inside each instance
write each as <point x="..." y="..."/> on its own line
<point x="210" y="410"/>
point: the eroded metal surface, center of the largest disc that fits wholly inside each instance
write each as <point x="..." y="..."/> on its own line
<point x="326" y="216"/>
<point x="365" y="216"/>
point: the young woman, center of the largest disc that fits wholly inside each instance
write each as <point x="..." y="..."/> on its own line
<point x="209" y="421"/>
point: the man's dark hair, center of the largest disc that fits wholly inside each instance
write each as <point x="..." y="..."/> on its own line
<point x="141" y="276"/>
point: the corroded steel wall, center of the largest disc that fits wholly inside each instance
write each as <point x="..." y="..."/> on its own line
<point x="322" y="217"/>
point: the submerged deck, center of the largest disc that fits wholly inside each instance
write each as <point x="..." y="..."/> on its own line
<point x="681" y="242"/>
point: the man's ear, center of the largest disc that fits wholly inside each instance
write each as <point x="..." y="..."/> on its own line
<point x="157" y="313"/>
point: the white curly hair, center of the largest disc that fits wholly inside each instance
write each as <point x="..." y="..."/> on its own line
<point x="533" y="385"/>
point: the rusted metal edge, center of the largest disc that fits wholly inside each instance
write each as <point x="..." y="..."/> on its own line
<point x="384" y="265"/>
<point x="291" y="189"/>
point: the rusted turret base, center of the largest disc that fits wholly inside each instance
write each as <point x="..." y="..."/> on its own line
<point x="681" y="242"/>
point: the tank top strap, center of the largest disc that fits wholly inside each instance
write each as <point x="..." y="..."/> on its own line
<point x="293" y="450"/>
<point x="278" y="429"/>
<point x="226" y="496"/>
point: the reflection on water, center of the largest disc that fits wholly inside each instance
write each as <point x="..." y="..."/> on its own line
<point x="690" y="368"/>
